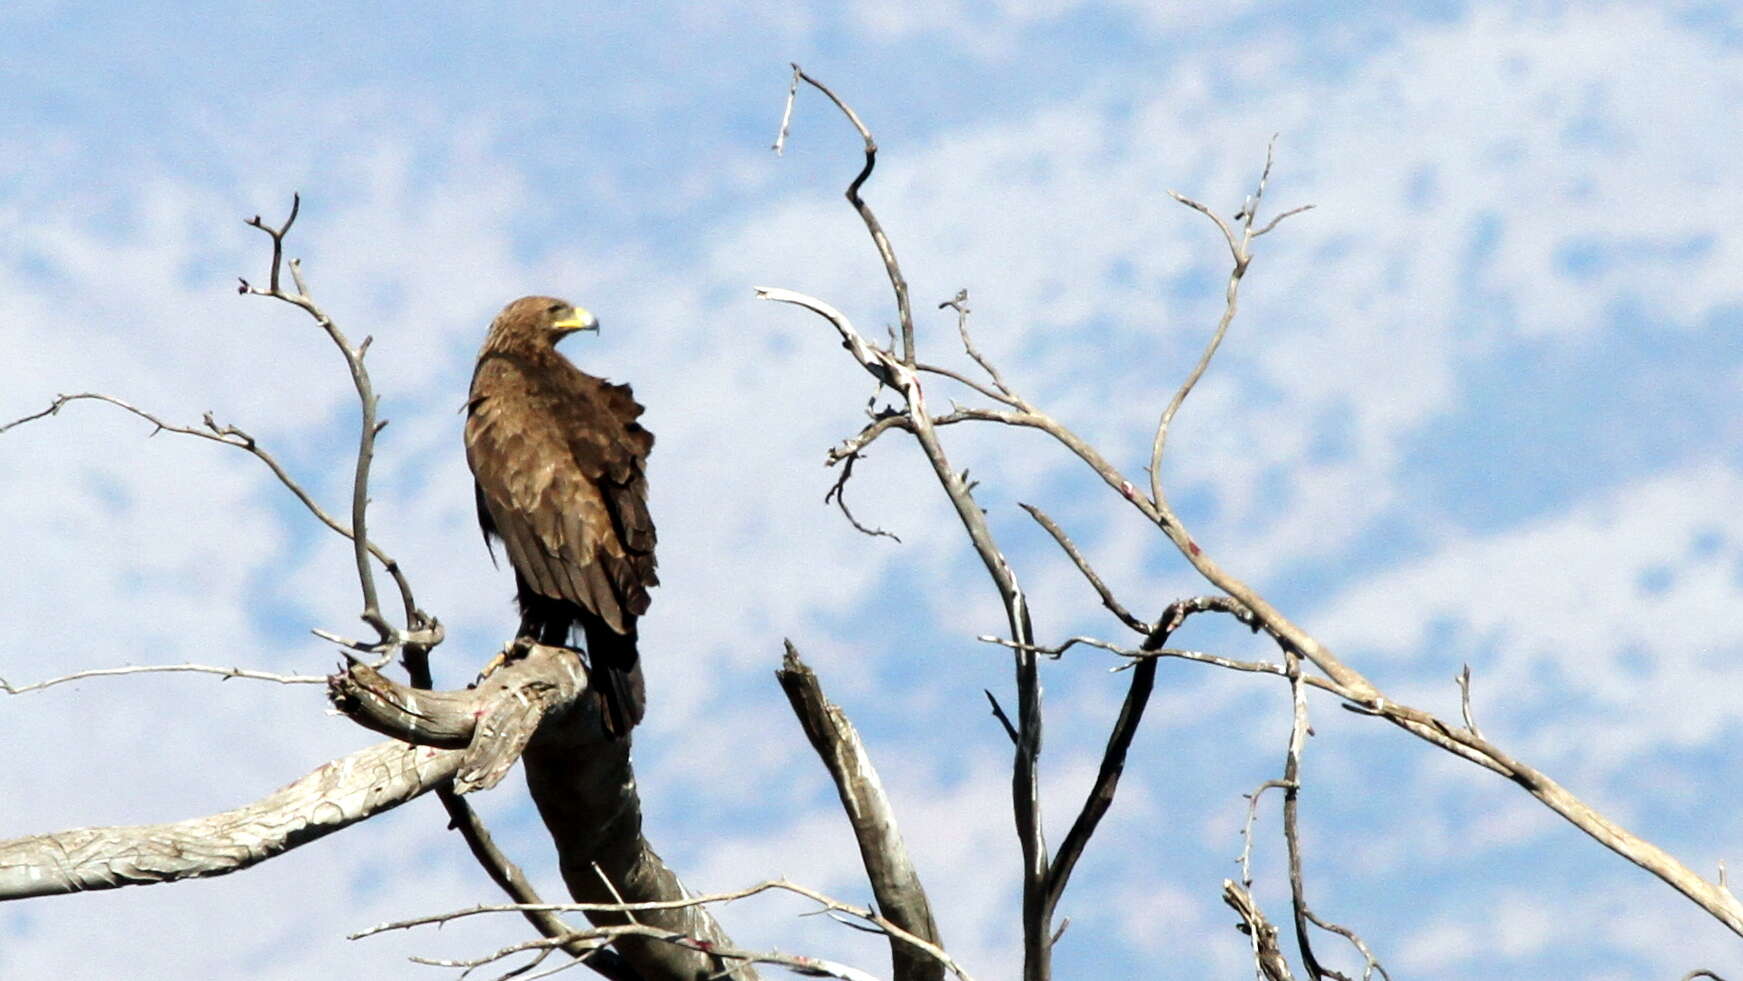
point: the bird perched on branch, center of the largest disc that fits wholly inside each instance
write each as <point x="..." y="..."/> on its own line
<point x="559" y="465"/>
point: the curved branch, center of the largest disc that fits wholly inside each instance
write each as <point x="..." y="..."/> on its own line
<point x="421" y="631"/>
<point x="904" y="310"/>
<point x="337" y="795"/>
<point x="231" y="436"/>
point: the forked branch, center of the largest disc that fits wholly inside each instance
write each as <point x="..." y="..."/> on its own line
<point x="901" y="375"/>
<point x="421" y="632"/>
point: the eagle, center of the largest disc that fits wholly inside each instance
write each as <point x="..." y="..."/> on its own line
<point x="559" y="466"/>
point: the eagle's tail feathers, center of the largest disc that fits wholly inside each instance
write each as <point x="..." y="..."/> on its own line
<point x="616" y="676"/>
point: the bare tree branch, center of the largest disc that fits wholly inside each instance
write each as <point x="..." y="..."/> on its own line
<point x="1464" y="680"/>
<point x="901" y="375"/>
<point x="232" y="436"/>
<point x="868" y="917"/>
<point x="1298" y="732"/>
<point x="1348" y="683"/>
<point x="337" y="795"/>
<point x="898" y="285"/>
<point x="838" y="493"/>
<point x="1371" y="963"/>
<point x="894" y="881"/>
<point x="798" y="963"/>
<point x="999" y="714"/>
<point x="1101" y="795"/>
<point x="787" y="114"/>
<point x="1083" y="566"/>
<point x="959" y="303"/>
<point x="423" y="632"/>
<point x="1268" y="959"/>
<point x="225" y="673"/>
<point x="420" y="633"/>
<point x="585" y="790"/>
<point x="1246" y="858"/>
<point x="580" y="779"/>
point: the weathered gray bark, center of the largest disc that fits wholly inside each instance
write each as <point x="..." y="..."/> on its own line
<point x="581" y="781"/>
<point x="585" y="791"/>
<point x="339" y="794"/>
<point x="900" y="896"/>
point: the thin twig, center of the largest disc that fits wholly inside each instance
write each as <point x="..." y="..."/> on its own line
<point x="228" y="435"/>
<point x="787" y="114"/>
<point x="959" y="303"/>
<point x="838" y="494"/>
<point x="863" y="914"/>
<point x="1083" y="566"/>
<point x="1217" y="660"/>
<point x="1246" y="858"/>
<point x="964" y="380"/>
<point x="810" y="966"/>
<point x="1464" y="680"/>
<point x="999" y="714"/>
<point x="225" y="673"/>
<point x="1371" y="963"/>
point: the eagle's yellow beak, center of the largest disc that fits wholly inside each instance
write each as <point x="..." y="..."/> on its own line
<point x="581" y="320"/>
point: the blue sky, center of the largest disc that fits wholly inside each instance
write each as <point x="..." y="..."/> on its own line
<point x="1481" y="406"/>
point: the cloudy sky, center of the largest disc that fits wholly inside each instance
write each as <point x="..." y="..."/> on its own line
<point x="1482" y="406"/>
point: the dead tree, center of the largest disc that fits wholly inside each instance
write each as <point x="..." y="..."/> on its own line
<point x="1306" y="662"/>
<point x="457" y="741"/>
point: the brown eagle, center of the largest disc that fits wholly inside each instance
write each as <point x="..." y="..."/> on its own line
<point x="559" y="465"/>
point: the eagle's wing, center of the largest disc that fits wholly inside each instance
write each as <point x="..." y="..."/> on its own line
<point x="560" y="463"/>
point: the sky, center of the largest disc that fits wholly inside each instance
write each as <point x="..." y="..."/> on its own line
<point x="1481" y="407"/>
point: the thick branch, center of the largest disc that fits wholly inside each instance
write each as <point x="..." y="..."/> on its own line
<point x="494" y="721"/>
<point x="337" y="795"/>
<point x="580" y="779"/>
<point x="1268" y="958"/>
<point x="1113" y="763"/>
<point x="586" y="793"/>
<point x="900" y="896"/>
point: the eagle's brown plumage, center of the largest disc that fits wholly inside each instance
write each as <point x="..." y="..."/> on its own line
<point x="559" y="464"/>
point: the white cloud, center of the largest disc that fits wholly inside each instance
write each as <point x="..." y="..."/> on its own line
<point x="1609" y="599"/>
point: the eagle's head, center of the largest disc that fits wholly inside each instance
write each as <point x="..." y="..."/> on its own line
<point x="542" y="317"/>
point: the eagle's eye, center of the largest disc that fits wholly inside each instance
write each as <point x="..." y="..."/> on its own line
<point x="555" y="309"/>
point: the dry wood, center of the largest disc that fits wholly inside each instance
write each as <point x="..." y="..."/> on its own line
<point x="894" y="882"/>
<point x="337" y="795"/>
